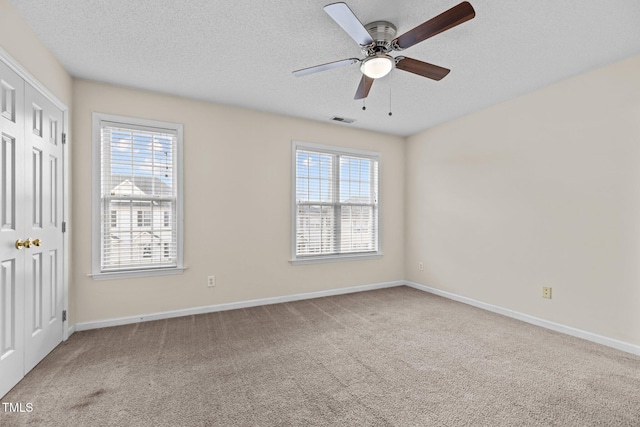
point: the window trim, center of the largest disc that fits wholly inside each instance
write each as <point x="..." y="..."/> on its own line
<point x="96" y="225"/>
<point x="336" y="150"/>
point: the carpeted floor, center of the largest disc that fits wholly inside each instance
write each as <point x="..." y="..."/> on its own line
<point x="391" y="357"/>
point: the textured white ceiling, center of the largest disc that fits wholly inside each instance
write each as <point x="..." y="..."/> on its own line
<point x="242" y="52"/>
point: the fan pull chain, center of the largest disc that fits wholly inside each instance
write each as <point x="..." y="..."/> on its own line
<point x="364" y="107"/>
<point x="390" y="100"/>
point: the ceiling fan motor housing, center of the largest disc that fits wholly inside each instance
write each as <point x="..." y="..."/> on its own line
<point x="382" y="33"/>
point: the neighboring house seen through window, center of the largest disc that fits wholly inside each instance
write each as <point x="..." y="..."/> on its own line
<point x="137" y="197"/>
<point x="335" y="203"/>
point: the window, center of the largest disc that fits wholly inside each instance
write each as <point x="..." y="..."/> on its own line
<point x="146" y="252"/>
<point x="335" y="203"/>
<point x="137" y="197"/>
<point x="144" y="218"/>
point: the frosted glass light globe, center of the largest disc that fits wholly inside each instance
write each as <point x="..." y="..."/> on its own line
<point x="377" y="66"/>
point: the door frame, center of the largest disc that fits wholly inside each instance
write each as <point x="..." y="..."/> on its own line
<point x="33" y="81"/>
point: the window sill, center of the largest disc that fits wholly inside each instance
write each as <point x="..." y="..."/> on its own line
<point x="137" y="273"/>
<point x="335" y="258"/>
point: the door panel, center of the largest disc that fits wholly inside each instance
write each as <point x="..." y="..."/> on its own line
<point x="8" y="191"/>
<point x="36" y="185"/>
<point x="36" y="294"/>
<point x="12" y="260"/>
<point x="52" y="212"/>
<point x="43" y="177"/>
<point x="53" y="284"/>
<point x="8" y="291"/>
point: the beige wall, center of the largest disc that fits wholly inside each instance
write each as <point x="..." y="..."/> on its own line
<point x="237" y="206"/>
<point x="543" y="190"/>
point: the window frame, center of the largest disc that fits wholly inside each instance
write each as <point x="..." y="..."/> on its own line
<point x="339" y="151"/>
<point x="96" y="157"/>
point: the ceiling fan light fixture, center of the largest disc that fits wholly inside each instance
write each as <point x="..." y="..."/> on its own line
<point x="377" y="66"/>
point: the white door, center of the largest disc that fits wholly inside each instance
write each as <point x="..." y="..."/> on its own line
<point x="12" y="229"/>
<point x="43" y="217"/>
<point x="31" y="241"/>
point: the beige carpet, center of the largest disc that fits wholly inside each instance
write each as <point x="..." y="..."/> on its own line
<point x="392" y="357"/>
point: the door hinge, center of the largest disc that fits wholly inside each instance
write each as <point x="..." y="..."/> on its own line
<point x="64" y="315"/>
<point x="64" y="226"/>
<point x="64" y="138"/>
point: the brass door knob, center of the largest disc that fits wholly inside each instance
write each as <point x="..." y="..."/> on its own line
<point x="26" y="244"/>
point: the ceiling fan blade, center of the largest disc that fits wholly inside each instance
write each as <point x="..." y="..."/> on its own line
<point x="364" y="87"/>
<point x="344" y="17"/>
<point x="446" y="20"/>
<point x="327" y="66"/>
<point x="421" y="68"/>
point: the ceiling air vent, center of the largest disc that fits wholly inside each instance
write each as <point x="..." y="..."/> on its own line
<point x="342" y="119"/>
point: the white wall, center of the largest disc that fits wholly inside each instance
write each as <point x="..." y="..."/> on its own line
<point x="543" y="190"/>
<point x="237" y="206"/>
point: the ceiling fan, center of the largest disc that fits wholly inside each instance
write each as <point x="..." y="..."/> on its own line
<point x="377" y="39"/>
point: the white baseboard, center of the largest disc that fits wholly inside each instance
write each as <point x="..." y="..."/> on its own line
<point x="229" y="306"/>
<point x="70" y="331"/>
<point x="568" y="330"/>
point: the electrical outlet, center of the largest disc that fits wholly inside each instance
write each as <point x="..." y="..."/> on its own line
<point x="546" y="292"/>
<point x="211" y="281"/>
<point x="421" y="266"/>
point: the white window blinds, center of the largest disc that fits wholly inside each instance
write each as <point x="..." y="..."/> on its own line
<point x="139" y="200"/>
<point x="336" y="202"/>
